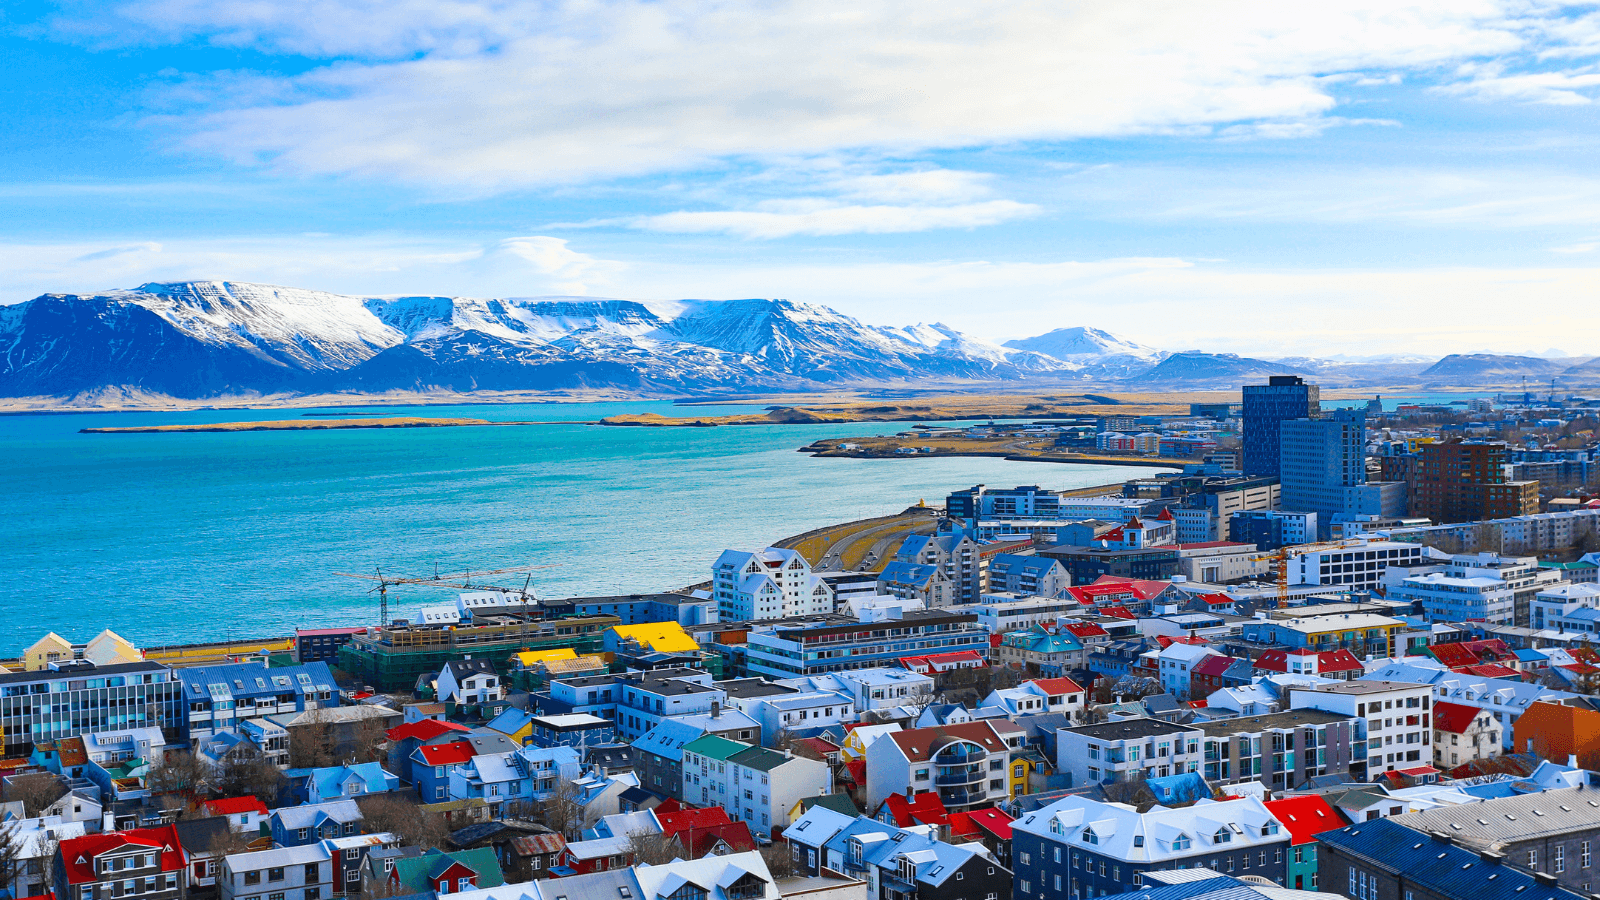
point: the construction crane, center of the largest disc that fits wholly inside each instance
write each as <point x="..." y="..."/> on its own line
<point x="458" y="581"/>
<point x="1280" y="560"/>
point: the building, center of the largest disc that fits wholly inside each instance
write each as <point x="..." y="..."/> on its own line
<point x="1271" y="529"/>
<point x="1323" y="469"/>
<point x="1506" y="699"/>
<point x="1445" y="598"/>
<point x="1363" y="634"/>
<point x="85" y="698"/>
<point x="103" y="866"/>
<point x="1304" y="817"/>
<point x="1266" y="408"/>
<point x="393" y="658"/>
<point x="578" y="730"/>
<point x="1385" y="859"/>
<point x="297" y="826"/>
<point x="437" y="872"/>
<point x="1551" y="607"/>
<point x="1221" y="562"/>
<point x="1123" y="750"/>
<point x="1077" y="847"/>
<point x="1528" y="534"/>
<point x="469" y="682"/>
<point x="926" y="585"/>
<point x="1086" y="565"/>
<point x="1462" y="734"/>
<point x="1359" y="565"/>
<point x="1392" y="724"/>
<point x="1028" y="576"/>
<point x="870" y="688"/>
<point x="954" y="555"/>
<point x="1465" y="481"/>
<point x="1021" y="502"/>
<point x="899" y="863"/>
<point x="770" y="583"/>
<point x="306" y="872"/>
<point x="966" y="764"/>
<point x="1281" y="750"/>
<point x="1557" y="731"/>
<point x="322" y="644"/>
<point x="833" y="643"/>
<point x="755" y="785"/>
<point x="223" y="698"/>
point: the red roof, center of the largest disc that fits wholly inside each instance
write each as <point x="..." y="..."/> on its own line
<point x="452" y="754"/>
<point x="1488" y="670"/>
<point x="919" y="744"/>
<point x="685" y="819"/>
<point x="1117" y="612"/>
<point x="1215" y="599"/>
<point x="819" y="745"/>
<point x="1584" y="654"/>
<point x="924" y="809"/>
<point x="1206" y="545"/>
<point x="1580" y="668"/>
<point x="423" y="730"/>
<point x="1145" y="588"/>
<point x="1085" y="629"/>
<point x="701" y="841"/>
<point x="1305" y="816"/>
<point x="1053" y="686"/>
<point x="233" y="806"/>
<point x="991" y="820"/>
<point x="79" y="854"/>
<point x="1212" y="665"/>
<point x="1338" y="661"/>
<point x="1418" y="771"/>
<point x="1453" y="717"/>
<point x="858" y="771"/>
<point x="1165" y="516"/>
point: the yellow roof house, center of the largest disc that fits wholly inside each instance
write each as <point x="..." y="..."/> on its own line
<point x="662" y="637"/>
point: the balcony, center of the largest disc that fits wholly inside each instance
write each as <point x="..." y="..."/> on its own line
<point x="960" y="754"/>
<point x="959" y="776"/>
<point x="963" y="797"/>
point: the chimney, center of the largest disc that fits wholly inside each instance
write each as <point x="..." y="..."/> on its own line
<point x="1491" y="857"/>
<point x="1572" y="760"/>
<point x="1545" y="878"/>
<point x="716" y="709"/>
<point x="1441" y="837"/>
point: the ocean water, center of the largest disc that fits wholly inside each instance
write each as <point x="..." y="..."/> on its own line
<point x="175" y="538"/>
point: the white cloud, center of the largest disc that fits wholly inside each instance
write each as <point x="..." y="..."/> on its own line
<point x="1558" y="88"/>
<point x="777" y="219"/>
<point x="508" y="94"/>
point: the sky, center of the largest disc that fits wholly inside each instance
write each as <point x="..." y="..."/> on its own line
<point x="1332" y="179"/>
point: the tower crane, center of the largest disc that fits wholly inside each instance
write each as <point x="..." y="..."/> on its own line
<point x="456" y="581"/>
<point x="1280" y="560"/>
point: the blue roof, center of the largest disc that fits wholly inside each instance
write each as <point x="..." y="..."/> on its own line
<point x="1585" y="613"/>
<point x="1444" y="868"/>
<point x="375" y="780"/>
<point x="1184" y="788"/>
<point x="256" y="680"/>
<point x="1222" y="887"/>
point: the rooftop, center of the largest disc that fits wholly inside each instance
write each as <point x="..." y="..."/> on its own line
<point x="1272" y="721"/>
<point x="1130" y="729"/>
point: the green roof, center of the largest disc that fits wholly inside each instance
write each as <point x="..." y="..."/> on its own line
<point x="1580" y="564"/>
<point x="416" y="874"/>
<point x="839" y="803"/>
<point x="759" y="758"/>
<point x="714" y="746"/>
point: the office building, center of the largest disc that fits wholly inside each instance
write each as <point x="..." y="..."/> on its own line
<point x="1273" y="529"/>
<point x="69" y="698"/>
<point x="832" y="643"/>
<point x="1266" y="408"/>
<point x="1111" y="752"/>
<point x="1465" y="481"/>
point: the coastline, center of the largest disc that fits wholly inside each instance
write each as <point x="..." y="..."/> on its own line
<point x="312" y="425"/>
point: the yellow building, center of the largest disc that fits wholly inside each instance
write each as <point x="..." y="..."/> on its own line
<point x="48" y="649"/>
<point x="111" y="649"/>
<point x="860" y="738"/>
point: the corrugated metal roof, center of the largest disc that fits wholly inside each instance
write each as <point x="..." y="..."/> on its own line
<point x="1437" y="866"/>
<point x="1494" y="823"/>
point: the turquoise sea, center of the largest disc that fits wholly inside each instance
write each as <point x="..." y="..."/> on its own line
<point x="175" y="538"/>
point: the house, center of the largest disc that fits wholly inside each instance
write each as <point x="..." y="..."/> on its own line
<point x="313" y="871"/>
<point x="119" y="746"/>
<point x="514" y="723"/>
<point x="439" y="872"/>
<point x="770" y="583"/>
<point x="1037" y="649"/>
<point x="1462" y="734"/>
<point x="1382" y="858"/>
<point x="1558" y="732"/>
<point x="576" y="730"/>
<point x="939" y="663"/>
<point x="874" y="688"/>
<point x="296" y="826"/>
<point x="222" y="698"/>
<point x="205" y="842"/>
<point x="658" y="757"/>
<point x="1304" y="817"/>
<point x="100" y="866"/>
<point x="1041" y="695"/>
<point x="1340" y="665"/>
<point x="755" y="785"/>
<point x="32" y="842"/>
<point x="1209" y="674"/>
<point x="595" y="855"/>
<point x="859" y="738"/>
<point x="1175" y="663"/>
<point x="1126" y="749"/>
<point x="904" y="811"/>
<point x="967" y="764"/>
<point x="809" y="834"/>
<point x="1033" y="576"/>
<point x="735" y="876"/>
<point x="926" y="584"/>
<point x="244" y="814"/>
<point x="706" y="832"/>
<point x="1082" y="847"/>
<point x="327" y="783"/>
<point x="432" y="764"/>
<point x="406" y="738"/>
<point x="468" y="682"/>
<point x="912" y="862"/>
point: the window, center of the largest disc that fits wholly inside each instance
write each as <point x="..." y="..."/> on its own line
<point x="252" y="877"/>
<point x="1558" y="859"/>
<point x="1533" y="859"/>
<point x="1583" y="858"/>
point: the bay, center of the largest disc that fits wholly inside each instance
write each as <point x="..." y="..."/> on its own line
<point x="177" y="538"/>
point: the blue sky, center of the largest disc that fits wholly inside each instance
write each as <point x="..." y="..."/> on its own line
<point x="1261" y="178"/>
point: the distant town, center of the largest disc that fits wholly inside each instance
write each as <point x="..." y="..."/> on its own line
<point x="1323" y="651"/>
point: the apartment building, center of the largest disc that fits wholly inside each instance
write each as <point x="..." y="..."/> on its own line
<point x="68" y="698"/>
<point x="1002" y="612"/>
<point x="1393" y="726"/>
<point x="1552" y="607"/>
<point x="1483" y="586"/>
<point x="870" y="688"/>
<point x="1030" y="576"/>
<point x="966" y="764"/>
<point x="1358" y="566"/>
<point x="307" y="872"/>
<point x="1281" y="750"/>
<point x="770" y="583"/>
<point x="1504" y="699"/>
<point x="835" y="643"/>
<point x="1077" y="847"/>
<point x="1123" y="750"/>
<point x="1363" y="634"/>
<point x="147" y="863"/>
<point x="925" y="585"/>
<point x="1554" y="833"/>
<point x="1383" y="859"/>
<point x="223" y="698"/>
<point x="1465" y="481"/>
<point x="755" y="785"/>
<point x="954" y="555"/>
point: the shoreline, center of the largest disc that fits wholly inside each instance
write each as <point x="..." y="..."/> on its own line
<point x="311" y="425"/>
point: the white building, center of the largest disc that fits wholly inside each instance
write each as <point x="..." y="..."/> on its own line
<point x="1500" y="697"/>
<point x="966" y="764"/>
<point x="868" y="689"/>
<point x="1358" y="566"/>
<point x="1396" y="728"/>
<point x="755" y="785"/>
<point x="1176" y="662"/>
<point x="1551" y="606"/>
<point x="999" y="613"/>
<point x="1216" y="562"/>
<point x="804" y="710"/>
<point x="1462" y="734"/>
<point x="468" y="681"/>
<point x="1042" y="695"/>
<point x="767" y="584"/>
<point x="1126" y="749"/>
<point x="1459" y="599"/>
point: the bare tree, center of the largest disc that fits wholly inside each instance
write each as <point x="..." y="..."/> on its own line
<point x="371" y="740"/>
<point x="1104" y="691"/>
<point x="36" y="792"/>
<point x="313" y="741"/>
<point x="654" y="848"/>
<point x="561" y="811"/>
<point x="405" y="819"/>
<point x="779" y="859"/>
<point x="178" y="772"/>
<point x="11" y="859"/>
<point x="244" y="771"/>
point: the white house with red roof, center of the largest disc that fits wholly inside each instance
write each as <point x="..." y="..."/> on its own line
<point x="1339" y="665"/>
<point x="244" y="814"/>
<point x="1462" y="734"/>
<point x="934" y="663"/>
<point x="966" y="764"/>
<point x="1041" y="695"/>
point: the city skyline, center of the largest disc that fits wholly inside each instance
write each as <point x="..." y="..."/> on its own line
<point x="1259" y="180"/>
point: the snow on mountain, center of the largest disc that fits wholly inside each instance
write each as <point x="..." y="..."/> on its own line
<point x="203" y="339"/>
<point x="1486" y="368"/>
<point x="1084" y="345"/>
<point x="1192" y="367"/>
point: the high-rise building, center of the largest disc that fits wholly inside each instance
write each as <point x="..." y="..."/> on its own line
<point x="1320" y="460"/>
<point x="1465" y="481"/>
<point x="1266" y="408"/>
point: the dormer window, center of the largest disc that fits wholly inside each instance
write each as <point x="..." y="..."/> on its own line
<point x="1222" y="836"/>
<point x="1181" y="842"/>
<point x="1089" y="837"/>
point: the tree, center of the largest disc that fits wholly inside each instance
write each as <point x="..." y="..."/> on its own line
<point x="405" y="819"/>
<point x="11" y="851"/>
<point x="36" y="792"/>
<point x="647" y="848"/>
<point x="244" y="771"/>
<point x="178" y="772"/>
<point x="779" y="859"/>
<point x="1104" y="691"/>
<point x="371" y="740"/>
<point x="313" y="741"/>
<point x="561" y="811"/>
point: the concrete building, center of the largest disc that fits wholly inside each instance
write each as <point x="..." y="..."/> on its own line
<point x="1550" y="607"/>
<point x="1358" y="566"/>
<point x="1111" y="752"/>
<point x="1323" y="469"/>
<point x="1032" y="576"/>
<point x="954" y="555"/>
<point x="928" y="585"/>
<point x="223" y="698"/>
<point x="822" y="644"/>
<point x="967" y="764"/>
<point x="1392" y="728"/>
<point x="1266" y="407"/>
<point x="771" y="583"/>
<point x="87" y="698"/>
<point x="1221" y="562"/>
<point x="755" y="785"/>
<point x="1384" y="859"/>
<point x="1280" y="750"/>
<point x="1553" y="832"/>
<point x="1459" y="599"/>
<point x="1271" y="529"/>
<point x="1363" y="634"/>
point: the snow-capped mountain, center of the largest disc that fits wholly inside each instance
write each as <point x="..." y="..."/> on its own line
<point x="203" y="339"/>
<point x="1086" y="345"/>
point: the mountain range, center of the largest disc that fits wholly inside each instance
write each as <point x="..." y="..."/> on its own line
<point x="205" y="339"/>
